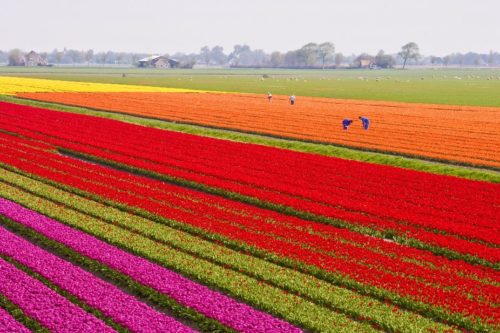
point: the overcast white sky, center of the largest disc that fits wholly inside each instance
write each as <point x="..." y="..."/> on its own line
<point x="166" y="26"/>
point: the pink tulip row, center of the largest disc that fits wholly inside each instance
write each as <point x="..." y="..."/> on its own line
<point x="43" y="304"/>
<point x="9" y="324"/>
<point x="124" y="309"/>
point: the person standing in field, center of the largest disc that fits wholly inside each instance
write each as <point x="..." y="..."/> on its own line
<point x="269" y="97"/>
<point x="292" y="100"/>
<point x="365" y="122"/>
<point x="346" y="123"/>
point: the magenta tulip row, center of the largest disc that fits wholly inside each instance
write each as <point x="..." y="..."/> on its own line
<point x="43" y="304"/>
<point x="111" y="301"/>
<point x="9" y="324"/>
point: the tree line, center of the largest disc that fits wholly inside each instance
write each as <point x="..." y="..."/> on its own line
<point x="311" y="55"/>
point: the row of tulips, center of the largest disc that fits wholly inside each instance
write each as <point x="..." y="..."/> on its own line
<point x="212" y="173"/>
<point x="123" y="309"/>
<point x="454" y="138"/>
<point x="43" y="304"/>
<point x="383" y="295"/>
<point x="9" y="324"/>
<point x="13" y="85"/>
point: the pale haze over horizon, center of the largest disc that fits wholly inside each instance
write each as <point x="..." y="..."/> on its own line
<point x="439" y="27"/>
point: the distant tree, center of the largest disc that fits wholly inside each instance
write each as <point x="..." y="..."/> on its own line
<point x="217" y="55"/>
<point x="238" y="54"/>
<point x="206" y="55"/>
<point x="102" y="57"/>
<point x="135" y="58"/>
<point x="57" y="56"/>
<point x="491" y="58"/>
<point x="89" y="56"/>
<point x="325" y="52"/>
<point x="4" y="57"/>
<point x="292" y="58"/>
<point x="15" y="57"/>
<point x="255" y="58"/>
<point x="446" y="60"/>
<point x="409" y="51"/>
<point x="384" y="60"/>
<point x="186" y="60"/>
<point x="75" y="56"/>
<point x="308" y="54"/>
<point x="436" y="60"/>
<point x="339" y="59"/>
<point x="277" y="59"/>
<point x="119" y="57"/>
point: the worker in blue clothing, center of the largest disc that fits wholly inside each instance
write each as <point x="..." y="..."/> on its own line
<point x="365" y="121"/>
<point x="346" y="123"/>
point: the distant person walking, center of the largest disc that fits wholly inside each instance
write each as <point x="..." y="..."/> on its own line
<point x="269" y="97"/>
<point x="346" y="123"/>
<point x="292" y="100"/>
<point x="365" y="122"/>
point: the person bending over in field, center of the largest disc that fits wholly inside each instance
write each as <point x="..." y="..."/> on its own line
<point x="346" y="123"/>
<point x="292" y="100"/>
<point x="365" y="122"/>
<point x="269" y="97"/>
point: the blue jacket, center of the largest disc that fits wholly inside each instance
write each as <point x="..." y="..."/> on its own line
<point x="346" y="123"/>
<point x="366" y="122"/>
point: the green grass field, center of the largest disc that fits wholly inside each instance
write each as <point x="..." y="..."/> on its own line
<point x="441" y="86"/>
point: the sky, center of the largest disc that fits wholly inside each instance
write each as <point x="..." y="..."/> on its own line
<point x="439" y="27"/>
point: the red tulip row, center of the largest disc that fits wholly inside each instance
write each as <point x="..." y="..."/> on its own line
<point x="352" y="216"/>
<point x="399" y="269"/>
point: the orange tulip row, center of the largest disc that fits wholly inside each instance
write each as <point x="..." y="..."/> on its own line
<point x="462" y="134"/>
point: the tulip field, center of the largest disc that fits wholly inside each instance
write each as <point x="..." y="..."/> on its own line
<point x="462" y="134"/>
<point x="107" y="225"/>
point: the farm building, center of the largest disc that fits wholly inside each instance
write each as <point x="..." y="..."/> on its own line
<point x="365" y="63"/>
<point x="31" y="59"/>
<point x="158" y="62"/>
<point x="34" y="59"/>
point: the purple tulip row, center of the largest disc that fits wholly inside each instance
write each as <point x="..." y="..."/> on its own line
<point x="43" y="304"/>
<point x="9" y="324"/>
<point x="111" y="301"/>
<point x="226" y="310"/>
